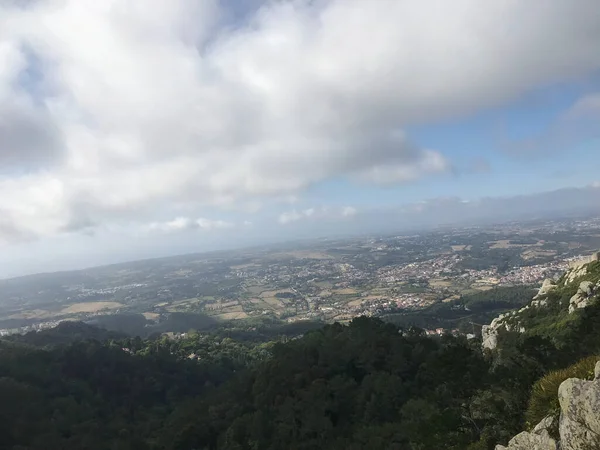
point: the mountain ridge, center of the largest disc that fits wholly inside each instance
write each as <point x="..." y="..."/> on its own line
<point x="576" y="289"/>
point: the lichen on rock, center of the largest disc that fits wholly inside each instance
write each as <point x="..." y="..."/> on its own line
<point x="579" y="422"/>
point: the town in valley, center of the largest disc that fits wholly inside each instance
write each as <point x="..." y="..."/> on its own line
<point x="322" y="280"/>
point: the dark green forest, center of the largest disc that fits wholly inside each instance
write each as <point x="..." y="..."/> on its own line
<point x="370" y="384"/>
<point x="468" y="313"/>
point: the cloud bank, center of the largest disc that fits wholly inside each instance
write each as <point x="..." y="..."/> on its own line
<point x="129" y="111"/>
<point x="317" y="214"/>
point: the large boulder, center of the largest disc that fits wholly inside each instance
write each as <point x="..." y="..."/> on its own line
<point x="532" y="441"/>
<point x="579" y="425"/>
<point x="547" y="286"/>
<point x="580" y="267"/>
<point x="576" y="302"/>
<point x="582" y="298"/>
<point x="538" y="439"/>
<point x="489" y="336"/>
<point x="586" y="288"/>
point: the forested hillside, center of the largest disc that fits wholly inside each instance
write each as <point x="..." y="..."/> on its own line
<point x="366" y="385"/>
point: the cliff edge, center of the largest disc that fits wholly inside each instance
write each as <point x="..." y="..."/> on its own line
<point x="578" y="420"/>
<point x="576" y="289"/>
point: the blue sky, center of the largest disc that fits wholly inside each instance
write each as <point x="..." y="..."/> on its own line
<point x="156" y="127"/>
<point x="479" y="147"/>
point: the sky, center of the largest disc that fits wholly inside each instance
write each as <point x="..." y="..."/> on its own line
<point x="140" y="128"/>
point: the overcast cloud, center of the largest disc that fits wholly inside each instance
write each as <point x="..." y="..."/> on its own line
<point x="124" y="111"/>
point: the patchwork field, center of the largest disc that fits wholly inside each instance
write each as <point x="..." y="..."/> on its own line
<point x="460" y="248"/>
<point x="244" y="266"/>
<point x="440" y="283"/>
<point x="482" y="287"/>
<point x="531" y="254"/>
<point x="256" y="289"/>
<point x="345" y="291"/>
<point x="267" y="294"/>
<point x="306" y="254"/>
<point x="231" y="315"/>
<point x="274" y="302"/>
<point x="451" y="298"/>
<point x="182" y="304"/>
<point x="90" y="307"/>
<point x="357" y="302"/>
<point x="33" y="314"/>
<point x="151" y="316"/>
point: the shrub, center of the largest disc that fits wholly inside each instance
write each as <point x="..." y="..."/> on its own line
<point x="544" y="395"/>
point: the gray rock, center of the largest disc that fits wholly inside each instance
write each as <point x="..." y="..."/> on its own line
<point x="579" y="422"/>
<point x="578" y="269"/>
<point x="586" y="288"/>
<point x="547" y="286"/>
<point x="532" y="441"/>
<point x="578" y="301"/>
<point x="538" y="439"/>
<point x="545" y="424"/>
<point x="489" y="335"/>
<point x="579" y="425"/>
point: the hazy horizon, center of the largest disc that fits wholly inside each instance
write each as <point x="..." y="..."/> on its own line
<point x="143" y="129"/>
<point x="531" y="209"/>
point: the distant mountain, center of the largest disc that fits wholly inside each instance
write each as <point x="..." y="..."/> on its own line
<point x="455" y="211"/>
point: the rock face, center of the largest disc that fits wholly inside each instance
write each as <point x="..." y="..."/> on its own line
<point x="538" y="439"/>
<point x="530" y="441"/>
<point x="579" y="268"/>
<point x="579" y="422"/>
<point x="489" y="333"/>
<point x="586" y="292"/>
<point x="579" y="425"/>
<point x="510" y="321"/>
<point x="547" y="286"/>
<point x="489" y="337"/>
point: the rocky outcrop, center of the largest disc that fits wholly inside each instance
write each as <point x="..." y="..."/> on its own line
<point x="538" y="439"/>
<point x="547" y="286"/>
<point x="579" y="420"/>
<point x="530" y="441"/>
<point x="579" y="425"/>
<point x="489" y="336"/>
<point x="579" y="268"/>
<point x="489" y="333"/>
<point x="586" y="292"/>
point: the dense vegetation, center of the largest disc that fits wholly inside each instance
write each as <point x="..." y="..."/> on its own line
<point x="467" y="313"/>
<point x="366" y="385"/>
<point x="544" y="399"/>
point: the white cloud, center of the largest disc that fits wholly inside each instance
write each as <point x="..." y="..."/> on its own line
<point x="349" y="211"/>
<point x="595" y="185"/>
<point x="207" y="224"/>
<point x="185" y="223"/>
<point x="588" y="105"/>
<point x="178" y="224"/>
<point x="322" y="213"/>
<point x="290" y="216"/>
<point x="116" y="111"/>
